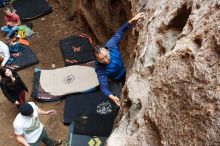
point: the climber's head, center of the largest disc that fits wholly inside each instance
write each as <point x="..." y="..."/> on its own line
<point x="102" y="54"/>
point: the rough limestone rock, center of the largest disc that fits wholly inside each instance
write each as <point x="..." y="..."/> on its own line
<point x="172" y="92"/>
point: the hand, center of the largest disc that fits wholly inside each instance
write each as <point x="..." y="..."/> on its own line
<point x="51" y="112"/>
<point x="9" y="24"/>
<point x="115" y="99"/>
<point x="16" y="102"/>
<point x="136" y="17"/>
<point x="13" y="24"/>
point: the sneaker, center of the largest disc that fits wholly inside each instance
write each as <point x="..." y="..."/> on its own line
<point x="57" y="142"/>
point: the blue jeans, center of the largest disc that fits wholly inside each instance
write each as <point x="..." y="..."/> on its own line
<point x="10" y="30"/>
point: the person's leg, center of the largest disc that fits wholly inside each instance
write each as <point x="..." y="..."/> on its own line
<point x="21" y="97"/>
<point x="13" y="30"/>
<point x="6" y="29"/>
<point x="46" y="139"/>
<point x="37" y="143"/>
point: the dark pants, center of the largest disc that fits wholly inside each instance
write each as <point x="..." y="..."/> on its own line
<point x="44" y="138"/>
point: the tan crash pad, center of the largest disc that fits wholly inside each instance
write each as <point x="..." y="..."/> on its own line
<point x="71" y="79"/>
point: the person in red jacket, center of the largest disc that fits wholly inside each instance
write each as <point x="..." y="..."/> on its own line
<point x="12" y="21"/>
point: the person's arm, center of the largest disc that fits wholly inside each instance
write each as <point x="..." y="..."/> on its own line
<point x="21" y="140"/>
<point x="103" y="82"/>
<point x="136" y="17"/>
<point x="43" y="112"/>
<point x="117" y="37"/>
<point x="19" y="131"/>
<point x="6" y="55"/>
<point x="40" y="111"/>
<point x="8" y="23"/>
<point x="103" y="79"/>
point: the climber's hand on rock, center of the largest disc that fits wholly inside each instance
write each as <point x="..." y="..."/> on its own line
<point x="136" y="17"/>
<point x="115" y="99"/>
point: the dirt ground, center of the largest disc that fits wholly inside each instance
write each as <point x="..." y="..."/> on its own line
<point x="51" y="28"/>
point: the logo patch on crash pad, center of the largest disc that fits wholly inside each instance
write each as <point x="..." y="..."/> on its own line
<point x="104" y="108"/>
<point x="95" y="141"/>
<point x="69" y="79"/>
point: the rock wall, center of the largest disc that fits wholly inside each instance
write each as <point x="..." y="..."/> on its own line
<point x="172" y="92"/>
